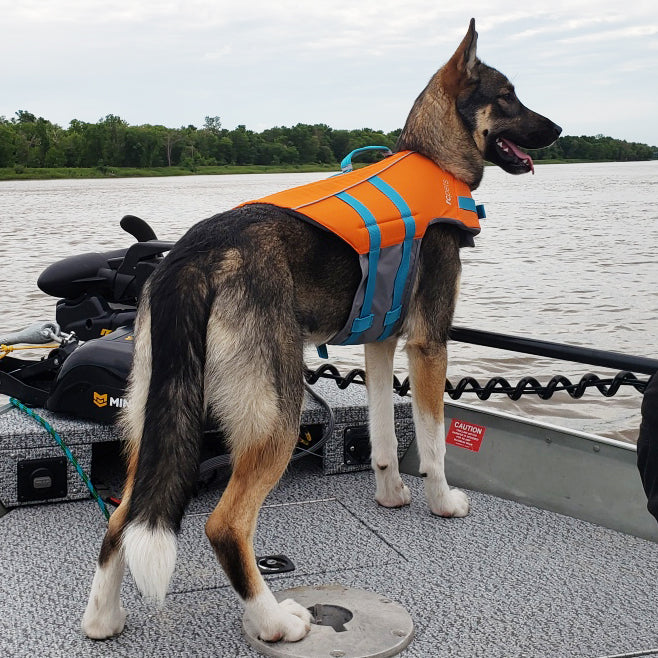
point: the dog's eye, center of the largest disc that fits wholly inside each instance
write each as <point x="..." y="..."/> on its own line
<point x="507" y="97"/>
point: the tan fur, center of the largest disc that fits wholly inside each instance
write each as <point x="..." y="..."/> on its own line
<point x="483" y="125"/>
<point x="255" y="471"/>
<point x="430" y="364"/>
<point x="452" y="147"/>
<point x="460" y="157"/>
<point x="131" y="420"/>
<point x="252" y="417"/>
<point x="117" y="522"/>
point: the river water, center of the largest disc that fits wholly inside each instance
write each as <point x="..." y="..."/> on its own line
<point x="568" y="255"/>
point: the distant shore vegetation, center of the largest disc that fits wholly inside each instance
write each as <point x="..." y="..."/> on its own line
<point x="33" y="147"/>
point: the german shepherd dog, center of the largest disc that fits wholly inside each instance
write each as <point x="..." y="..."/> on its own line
<point x="235" y="300"/>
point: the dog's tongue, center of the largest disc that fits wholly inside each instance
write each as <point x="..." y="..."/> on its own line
<point x="519" y="153"/>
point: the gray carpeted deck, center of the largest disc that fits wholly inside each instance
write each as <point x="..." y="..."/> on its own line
<point x="507" y="581"/>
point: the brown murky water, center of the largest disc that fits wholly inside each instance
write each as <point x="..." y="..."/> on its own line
<point x="567" y="255"/>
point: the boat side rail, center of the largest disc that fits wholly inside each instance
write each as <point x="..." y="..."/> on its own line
<point x="607" y="386"/>
<point x="561" y="351"/>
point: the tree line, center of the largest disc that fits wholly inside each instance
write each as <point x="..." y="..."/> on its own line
<point x="597" y="148"/>
<point x="30" y="141"/>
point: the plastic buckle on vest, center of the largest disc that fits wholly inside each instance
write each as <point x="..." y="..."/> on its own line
<point x="392" y="316"/>
<point x="466" y="203"/>
<point x="362" y="324"/>
<point x="346" y="163"/>
<point x="479" y="209"/>
<point x="322" y="351"/>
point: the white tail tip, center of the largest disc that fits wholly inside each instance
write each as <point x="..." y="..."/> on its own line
<point x="151" y="556"/>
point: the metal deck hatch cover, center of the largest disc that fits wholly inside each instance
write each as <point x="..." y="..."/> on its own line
<point x="377" y="628"/>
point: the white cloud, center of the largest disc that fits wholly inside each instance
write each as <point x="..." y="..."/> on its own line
<point x="606" y="36"/>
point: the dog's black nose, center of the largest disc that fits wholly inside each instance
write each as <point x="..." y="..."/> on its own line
<point x="557" y="130"/>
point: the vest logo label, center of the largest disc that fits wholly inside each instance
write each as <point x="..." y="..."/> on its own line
<point x="103" y="400"/>
<point x="446" y="189"/>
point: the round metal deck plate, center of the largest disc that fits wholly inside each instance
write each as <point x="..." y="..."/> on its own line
<point x="377" y="628"/>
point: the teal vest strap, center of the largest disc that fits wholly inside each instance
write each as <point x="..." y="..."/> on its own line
<point x="366" y="318"/>
<point x="346" y="162"/>
<point x="393" y="315"/>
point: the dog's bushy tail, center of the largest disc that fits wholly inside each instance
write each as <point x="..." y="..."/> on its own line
<point x="164" y="427"/>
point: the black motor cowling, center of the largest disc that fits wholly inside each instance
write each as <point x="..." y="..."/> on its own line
<point x="98" y="291"/>
<point x="92" y="381"/>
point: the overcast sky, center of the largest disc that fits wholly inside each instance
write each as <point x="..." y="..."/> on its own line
<point x="590" y="65"/>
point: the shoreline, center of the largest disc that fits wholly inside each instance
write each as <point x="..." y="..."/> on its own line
<point x="72" y="173"/>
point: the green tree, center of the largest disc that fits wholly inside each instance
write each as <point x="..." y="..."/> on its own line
<point x="224" y="153"/>
<point x="213" y="125"/>
<point x="112" y="135"/>
<point x="7" y="143"/>
<point x="243" y="145"/>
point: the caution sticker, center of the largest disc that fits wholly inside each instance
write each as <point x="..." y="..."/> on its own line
<point x="465" y="435"/>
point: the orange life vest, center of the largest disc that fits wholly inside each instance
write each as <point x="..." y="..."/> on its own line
<point x="383" y="211"/>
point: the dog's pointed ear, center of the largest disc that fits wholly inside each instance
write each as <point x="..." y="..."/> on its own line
<point x="469" y="45"/>
<point x="461" y="69"/>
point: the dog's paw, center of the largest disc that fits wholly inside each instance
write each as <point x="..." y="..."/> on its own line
<point x="397" y="497"/>
<point x="291" y="622"/>
<point x="103" y="626"/>
<point x="453" y="503"/>
<point x="391" y="491"/>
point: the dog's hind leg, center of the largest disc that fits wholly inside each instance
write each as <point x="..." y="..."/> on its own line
<point x="262" y="428"/>
<point x="427" y="370"/>
<point x="104" y="616"/>
<point x="230" y="530"/>
<point x="390" y="490"/>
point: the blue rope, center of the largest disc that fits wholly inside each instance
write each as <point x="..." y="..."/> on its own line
<point x="58" y="439"/>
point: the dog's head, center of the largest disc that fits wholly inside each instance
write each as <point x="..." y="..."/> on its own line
<point x="468" y="113"/>
<point x="487" y="103"/>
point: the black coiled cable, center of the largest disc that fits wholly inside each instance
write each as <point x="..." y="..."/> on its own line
<point x="607" y="386"/>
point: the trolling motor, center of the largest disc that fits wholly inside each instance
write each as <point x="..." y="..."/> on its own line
<point x="86" y="375"/>
<point x="99" y="291"/>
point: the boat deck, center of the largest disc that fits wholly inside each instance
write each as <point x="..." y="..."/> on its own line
<point x="508" y="580"/>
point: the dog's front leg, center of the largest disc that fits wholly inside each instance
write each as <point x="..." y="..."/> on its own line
<point x="390" y="491"/>
<point x="427" y="370"/>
